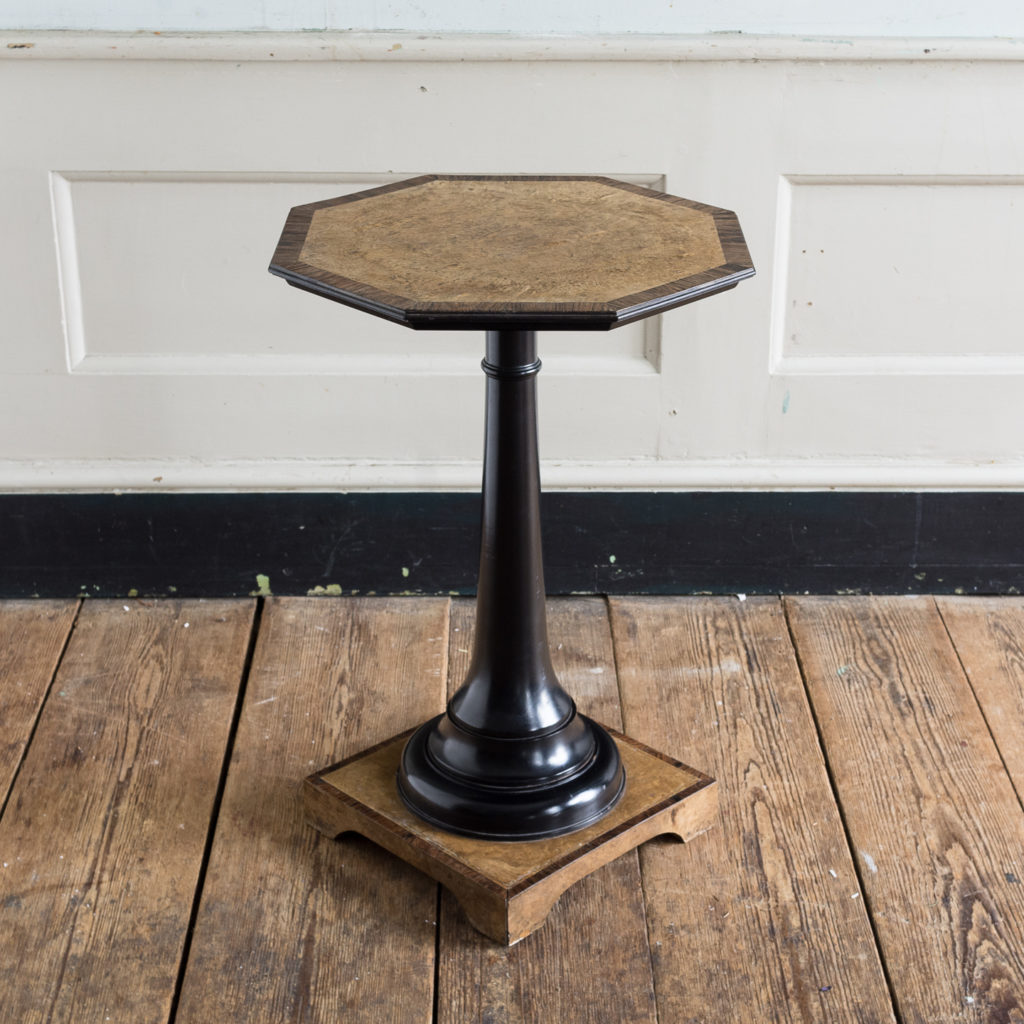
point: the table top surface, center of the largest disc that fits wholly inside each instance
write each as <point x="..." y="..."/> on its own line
<point x="534" y="252"/>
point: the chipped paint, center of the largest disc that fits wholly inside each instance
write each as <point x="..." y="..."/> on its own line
<point x="262" y="585"/>
<point x="405" y="572"/>
<point x="331" y="590"/>
<point x="611" y="559"/>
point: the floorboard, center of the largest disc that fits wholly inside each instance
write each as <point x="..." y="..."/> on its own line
<point x="867" y="864"/>
<point x="753" y="921"/>
<point x="293" y="927"/>
<point x="931" y="813"/>
<point x="590" y="962"/>
<point x="103" y="839"/>
<point x="32" y="639"/>
<point x="988" y="634"/>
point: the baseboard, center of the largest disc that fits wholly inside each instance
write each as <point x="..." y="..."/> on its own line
<point x="109" y="545"/>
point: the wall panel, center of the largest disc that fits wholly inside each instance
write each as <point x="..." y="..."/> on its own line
<point x="144" y="345"/>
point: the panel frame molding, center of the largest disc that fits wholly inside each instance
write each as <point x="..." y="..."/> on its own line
<point x="783" y="365"/>
<point x="79" y="360"/>
<point x="455" y="47"/>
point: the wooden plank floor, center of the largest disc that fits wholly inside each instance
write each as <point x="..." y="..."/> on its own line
<point x="867" y="864"/>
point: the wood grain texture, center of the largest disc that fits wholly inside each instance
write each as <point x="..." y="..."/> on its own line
<point x="507" y="889"/>
<point x="930" y="810"/>
<point x="470" y="250"/>
<point x="754" y="922"/>
<point x="291" y="926"/>
<point x="32" y="636"/>
<point x="590" y="961"/>
<point x="513" y="867"/>
<point x="483" y="241"/>
<point x="103" y="839"/>
<point x="988" y="634"/>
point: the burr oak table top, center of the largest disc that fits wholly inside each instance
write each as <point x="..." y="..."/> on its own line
<point x="536" y="252"/>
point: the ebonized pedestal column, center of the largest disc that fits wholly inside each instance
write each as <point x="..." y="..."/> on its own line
<point x="511" y="758"/>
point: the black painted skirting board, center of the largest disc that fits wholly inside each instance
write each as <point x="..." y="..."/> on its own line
<point x="107" y="545"/>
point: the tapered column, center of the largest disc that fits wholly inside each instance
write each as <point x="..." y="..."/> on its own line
<point x="511" y="758"/>
<point x="511" y="688"/>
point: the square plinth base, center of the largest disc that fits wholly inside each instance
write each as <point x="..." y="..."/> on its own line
<point x="506" y="889"/>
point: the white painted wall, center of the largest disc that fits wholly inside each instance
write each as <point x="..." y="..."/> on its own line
<point x="935" y="18"/>
<point x="143" y="344"/>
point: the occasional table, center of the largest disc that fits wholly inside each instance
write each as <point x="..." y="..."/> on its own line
<point x="511" y="795"/>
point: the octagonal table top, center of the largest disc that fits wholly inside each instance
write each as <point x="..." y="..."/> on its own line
<point x="493" y="252"/>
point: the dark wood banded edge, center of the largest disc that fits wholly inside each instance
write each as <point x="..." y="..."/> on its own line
<point x="354" y="292"/>
<point x="730" y="237"/>
<point x="430" y="852"/>
<point x="522" y="177"/>
<point x="650" y="193"/>
<point x="362" y="753"/>
<point x="423" y="179"/>
<point x="621" y="737"/>
<point x="599" y="840"/>
<point x="343" y="289"/>
<point x="513" y="321"/>
<point x="366" y="305"/>
<point x="520" y="315"/>
<point x="439" y="855"/>
<point x="679" y="288"/>
<point x="673" y="301"/>
<point x="445" y="315"/>
<point x="293" y="236"/>
<point x="348" y="288"/>
<point x="369" y="193"/>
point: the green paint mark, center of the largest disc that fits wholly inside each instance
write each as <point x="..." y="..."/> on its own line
<point x="920" y="575"/>
<point x="842" y="670"/>
<point x="785" y="403"/>
<point x="174" y="590"/>
<point x="331" y="590"/>
<point x="263" y="585"/>
<point x="611" y="559"/>
<point x="133" y="592"/>
<point x="405" y="572"/>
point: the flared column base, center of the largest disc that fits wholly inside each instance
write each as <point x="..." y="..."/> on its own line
<point x="510" y="809"/>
